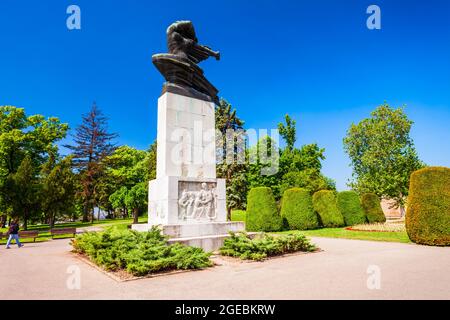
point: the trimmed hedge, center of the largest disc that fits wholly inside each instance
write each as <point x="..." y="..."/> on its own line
<point x="262" y="212"/>
<point x="349" y="205"/>
<point x="428" y="213"/>
<point x="325" y="205"/>
<point x="371" y="204"/>
<point x="297" y="210"/>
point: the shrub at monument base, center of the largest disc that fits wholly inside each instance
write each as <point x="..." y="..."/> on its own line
<point x="297" y="210"/>
<point x="264" y="245"/>
<point x="372" y="208"/>
<point x="349" y="205"/>
<point x="325" y="205"/>
<point x="262" y="213"/>
<point x="139" y="253"/>
<point x="428" y="214"/>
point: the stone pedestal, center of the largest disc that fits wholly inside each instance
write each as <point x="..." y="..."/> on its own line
<point x="186" y="199"/>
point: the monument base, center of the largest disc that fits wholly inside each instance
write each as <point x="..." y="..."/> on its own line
<point x="206" y="235"/>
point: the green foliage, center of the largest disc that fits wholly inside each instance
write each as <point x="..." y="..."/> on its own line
<point x="371" y="204"/>
<point x="92" y="144"/>
<point x="139" y="253"/>
<point x="288" y="132"/>
<point x="262" y="213"/>
<point x="117" y="199"/>
<point x="230" y="155"/>
<point x="24" y="191"/>
<point x="297" y="210"/>
<point x="325" y="205"/>
<point x="428" y="216"/>
<point x="382" y="154"/>
<point x="264" y="165"/>
<point x="309" y="179"/>
<point x="27" y="141"/>
<point x="58" y="190"/>
<point x="242" y="246"/>
<point x="238" y="215"/>
<point x="349" y="205"/>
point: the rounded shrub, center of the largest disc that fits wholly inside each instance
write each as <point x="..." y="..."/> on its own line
<point x="349" y="205"/>
<point x="325" y="205"/>
<point x="262" y="212"/>
<point x="371" y="204"/>
<point x="428" y="212"/>
<point x="297" y="210"/>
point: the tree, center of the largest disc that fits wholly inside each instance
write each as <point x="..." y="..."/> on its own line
<point x="117" y="200"/>
<point x="20" y="136"/>
<point x="24" y="189"/>
<point x="136" y="199"/>
<point x="58" y="190"/>
<point x="231" y="153"/>
<point x="288" y="132"/>
<point x="382" y="154"/>
<point x="93" y="143"/>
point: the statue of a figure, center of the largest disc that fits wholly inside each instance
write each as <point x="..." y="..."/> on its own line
<point x="179" y="66"/>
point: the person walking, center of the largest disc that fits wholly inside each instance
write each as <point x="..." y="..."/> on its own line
<point x="13" y="232"/>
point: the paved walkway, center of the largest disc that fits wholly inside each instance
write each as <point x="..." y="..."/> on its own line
<point x="39" y="271"/>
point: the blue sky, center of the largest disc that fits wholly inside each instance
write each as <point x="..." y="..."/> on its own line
<point x="315" y="60"/>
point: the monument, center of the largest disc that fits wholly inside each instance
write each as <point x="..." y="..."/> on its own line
<point x="186" y="200"/>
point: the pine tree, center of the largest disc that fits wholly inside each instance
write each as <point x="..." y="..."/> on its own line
<point x="92" y="144"/>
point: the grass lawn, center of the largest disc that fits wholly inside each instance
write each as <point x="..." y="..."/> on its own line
<point x="44" y="234"/>
<point x="239" y="215"/>
<point x="355" y="235"/>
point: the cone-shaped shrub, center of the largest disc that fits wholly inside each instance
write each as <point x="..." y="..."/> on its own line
<point x="350" y="207"/>
<point x="297" y="210"/>
<point x="428" y="214"/>
<point x="325" y="205"/>
<point x="262" y="212"/>
<point x="372" y="208"/>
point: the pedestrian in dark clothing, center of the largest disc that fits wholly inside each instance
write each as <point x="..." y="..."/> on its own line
<point x="13" y="232"/>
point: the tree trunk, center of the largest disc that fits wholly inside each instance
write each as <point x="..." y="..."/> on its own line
<point x="229" y="214"/>
<point x="85" y="213"/>
<point x="135" y="215"/>
<point x="3" y="223"/>
<point x="25" y="220"/>
<point x="51" y="221"/>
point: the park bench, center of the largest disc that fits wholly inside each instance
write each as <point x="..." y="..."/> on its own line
<point x="29" y="234"/>
<point x="63" y="231"/>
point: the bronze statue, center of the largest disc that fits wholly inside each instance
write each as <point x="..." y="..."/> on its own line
<point x="179" y="66"/>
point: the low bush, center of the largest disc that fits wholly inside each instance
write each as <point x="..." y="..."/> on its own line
<point x="139" y="253"/>
<point x="428" y="214"/>
<point x="297" y="210"/>
<point x="262" y="212"/>
<point x="349" y="205"/>
<point x="371" y="204"/>
<point x="264" y="245"/>
<point x="325" y="205"/>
